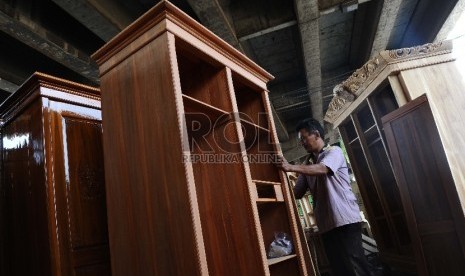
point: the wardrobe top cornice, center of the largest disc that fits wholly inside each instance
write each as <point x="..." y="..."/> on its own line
<point x="166" y="15"/>
<point x="347" y="94"/>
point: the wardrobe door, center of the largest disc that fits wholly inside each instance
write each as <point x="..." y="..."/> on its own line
<point x="434" y="216"/>
<point x="79" y="184"/>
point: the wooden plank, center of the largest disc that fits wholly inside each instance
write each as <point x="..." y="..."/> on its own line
<point x="280" y="259"/>
<point x="263" y="182"/>
<point x="444" y="86"/>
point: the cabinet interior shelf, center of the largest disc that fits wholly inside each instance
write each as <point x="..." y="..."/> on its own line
<point x="354" y="140"/>
<point x="263" y="182"/>
<point x="370" y="128"/>
<point x="267" y="200"/>
<point x="374" y="141"/>
<point x="280" y="259"/>
<point x="247" y="123"/>
<point x="193" y="105"/>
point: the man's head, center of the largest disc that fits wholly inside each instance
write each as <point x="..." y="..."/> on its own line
<point x="311" y="134"/>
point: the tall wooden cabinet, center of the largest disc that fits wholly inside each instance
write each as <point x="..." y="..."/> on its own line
<point x="396" y="116"/>
<point x="53" y="194"/>
<point x="185" y="118"/>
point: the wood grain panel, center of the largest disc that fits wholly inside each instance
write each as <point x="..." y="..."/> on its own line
<point x="27" y="238"/>
<point x="202" y="78"/>
<point x="250" y="102"/>
<point x="224" y="207"/>
<point x="149" y="211"/>
<point x="86" y="188"/>
<point x="427" y="188"/>
<point x="443" y="255"/>
<point x="85" y="195"/>
<point x="444" y="85"/>
<point x="397" y="88"/>
<point x="77" y="206"/>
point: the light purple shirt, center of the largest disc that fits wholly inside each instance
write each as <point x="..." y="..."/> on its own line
<point x="334" y="203"/>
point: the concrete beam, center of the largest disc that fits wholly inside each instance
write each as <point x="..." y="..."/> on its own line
<point x="363" y="33"/>
<point x="451" y="21"/>
<point x="269" y="30"/>
<point x="9" y="79"/>
<point x="113" y="11"/>
<point x="36" y="37"/>
<point x="88" y="15"/>
<point x="8" y="86"/>
<point x="309" y="27"/>
<point x="385" y="25"/>
<point x="214" y="18"/>
<point x="11" y="73"/>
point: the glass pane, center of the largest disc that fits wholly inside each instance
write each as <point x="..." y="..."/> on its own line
<point x="365" y="118"/>
<point x="364" y="179"/>
<point x="350" y="130"/>
<point x="384" y="101"/>
<point x="385" y="176"/>
<point x="372" y="136"/>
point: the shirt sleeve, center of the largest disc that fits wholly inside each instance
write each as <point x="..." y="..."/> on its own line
<point x="300" y="187"/>
<point x="333" y="160"/>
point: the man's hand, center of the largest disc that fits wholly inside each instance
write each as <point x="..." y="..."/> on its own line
<point x="282" y="164"/>
<point x="311" y="170"/>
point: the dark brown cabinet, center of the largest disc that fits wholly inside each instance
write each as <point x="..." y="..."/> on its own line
<point x="364" y="139"/>
<point x="427" y="187"/>
<point x="400" y="117"/>
<point x="53" y="207"/>
<point x="183" y="113"/>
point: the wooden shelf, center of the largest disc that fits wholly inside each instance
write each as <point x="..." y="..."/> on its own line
<point x="193" y="105"/>
<point x="207" y="115"/>
<point x="370" y="128"/>
<point x="250" y="124"/>
<point x="280" y="259"/>
<point x="374" y="142"/>
<point x="267" y="200"/>
<point x="263" y="182"/>
<point x="355" y="139"/>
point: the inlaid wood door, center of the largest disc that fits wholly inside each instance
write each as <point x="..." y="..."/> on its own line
<point x="434" y="216"/>
<point x="80" y="190"/>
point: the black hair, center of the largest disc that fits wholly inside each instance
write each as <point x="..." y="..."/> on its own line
<point x="311" y="125"/>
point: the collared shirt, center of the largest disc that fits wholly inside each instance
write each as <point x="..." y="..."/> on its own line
<point x="334" y="202"/>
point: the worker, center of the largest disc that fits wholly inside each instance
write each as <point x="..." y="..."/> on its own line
<point x="335" y="206"/>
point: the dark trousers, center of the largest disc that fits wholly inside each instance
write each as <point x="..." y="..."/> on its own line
<point x="344" y="249"/>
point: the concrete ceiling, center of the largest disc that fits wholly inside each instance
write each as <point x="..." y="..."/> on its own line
<point x="308" y="45"/>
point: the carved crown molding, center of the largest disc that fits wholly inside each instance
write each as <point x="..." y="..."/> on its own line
<point x="418" y="51"/>
<point x="347" y="91"/>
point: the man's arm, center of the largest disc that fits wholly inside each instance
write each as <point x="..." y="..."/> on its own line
<point x="312" y="170"/>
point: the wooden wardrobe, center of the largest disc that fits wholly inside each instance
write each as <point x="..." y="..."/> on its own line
<point x="53" y="211"/>
<point x="400" y="117"/>
<point x="183" y="112"/>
